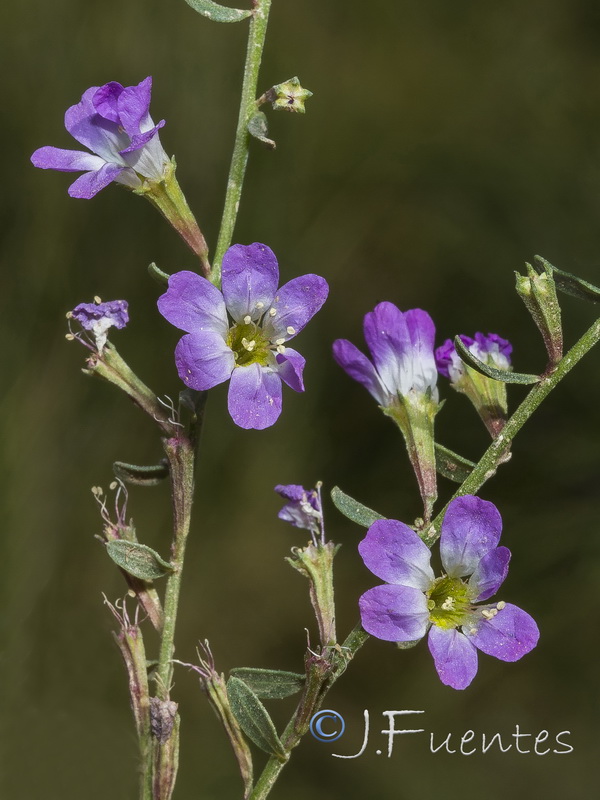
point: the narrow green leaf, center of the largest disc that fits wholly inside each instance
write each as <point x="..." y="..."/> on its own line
<point x="137" y="559"/>
<point x="502" y="375"/>
<point x="351" y="508"/>
<point x="568" y="283"/>
<point x="270" y="684"/>
<point x="258" y="127"/>
<point x="254" y="719"/>
<point x="451" y="465"/>
<point x="217" y="12"/>
<point x="141" y="476"/>
<point x="158" y="275"/>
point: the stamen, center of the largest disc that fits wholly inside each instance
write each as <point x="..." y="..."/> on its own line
<point x="500" y="605"/>
<point x="291" y="330"/>
<point x="281" y="349"/>
<point x="489" y="613"/>
<point x="260" y="305"/>
<point x="249" y="346"/>
<point x="272" y="312"/>
<point x="279" y="341"/>
<point x="473" y="631"/>
<point x="247" y="319"/>
<point x="448" y="604"/>
<point x="97" y="299"/>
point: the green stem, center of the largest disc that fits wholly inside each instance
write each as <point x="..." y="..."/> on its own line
<point x="180" y="453"/>
<point x="497" y="451"/>
<point x="239" y="158"/>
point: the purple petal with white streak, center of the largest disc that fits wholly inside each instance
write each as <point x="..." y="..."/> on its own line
<point x="509" y="635"/>
<point x="490" y="574"/>
<point x="250" y="275"/>
<point x="471" y="528"/>
<point x="90" y="183"/>
<point x="296" y="303"/>
<point x="358" y="366"/>
<point x="102" y="136"/>
<point x="396" y="554"/>
<point x="290" y="369"/>
<point x="394" y="613"/>
<point x="66" y="160"/>
<point x="203" y="360"/>
<point x="422" y="336"/>
<point x="387" y="336"/>
<point x="454" y="656"/>
<point x="193" y="304"/>
<point x="254" y="399"/>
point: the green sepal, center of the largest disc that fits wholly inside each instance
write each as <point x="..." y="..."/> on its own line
<point x="451" y="465"/>
<point x="158" y="275"/>
<point x="407" y="645"/>
<point x="137" y="559"/>
<point x="254" y="719"/>
<point x="270" y="684"/>
<point x="501" y="375"/>
<point x="218" y="13"/>
<point x="258" y="127"/>
<point x="568" y="283"/>
<point x="141" y="476"/>
<point x="352" y="509"/>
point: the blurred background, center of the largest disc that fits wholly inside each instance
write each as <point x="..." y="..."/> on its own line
<point x="445" y="145"/>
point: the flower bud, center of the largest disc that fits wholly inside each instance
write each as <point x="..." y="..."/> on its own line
<point x="538" y="292"/>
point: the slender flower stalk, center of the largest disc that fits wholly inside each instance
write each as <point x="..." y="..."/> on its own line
<point x="239" y="158"/>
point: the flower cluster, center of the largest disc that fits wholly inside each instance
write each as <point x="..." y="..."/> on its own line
<point x="250" y="346"/>
<point x="413" y="601"/>
<point x="114" y="122"/>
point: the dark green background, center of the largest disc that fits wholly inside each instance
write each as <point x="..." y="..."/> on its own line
<point x="447" y="142"/>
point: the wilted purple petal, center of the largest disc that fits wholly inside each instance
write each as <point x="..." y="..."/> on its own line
<point x="454" y="656"/>
<point x="203" y="360"/>
<point x="66" y="160"/>
<point x="291" y="491"/>
<point x="193" y="304"/>
<point x="490" y="574"/>
<point x="295" y="304"/>
<point x="396" y="554"/>
<point x="509" y="635"/>
<point x="394" y="613"/>
<point x="291" y="366"/>
<point x="90" y="183"/>
<point x="387" y="336"/>
<point x="304" y="508"/>
<point x="422" y="337"/>
<point x="470" y="529"/>
<point x="358" y="366"/>
<point x="254" y="399"/>
<point x="115" y="312"/>
<point x="250" y="275"/>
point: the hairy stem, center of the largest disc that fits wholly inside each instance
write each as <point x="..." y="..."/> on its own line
<point x="239" y="158"/>
<point x="496" y="452"/>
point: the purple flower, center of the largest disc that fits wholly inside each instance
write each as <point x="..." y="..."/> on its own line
<point x="115" y="124"/>
<point x="250" y="349"/>
<point x="491" y="349"/>
<point x="401" y="346"/>
<point x="99" y="317"/>
<point x="303" y="509"/>
<point x="412" y="600"/>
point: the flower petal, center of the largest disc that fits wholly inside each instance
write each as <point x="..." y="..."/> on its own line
<point x="66" y="160"/>
<point x="394" y="613"/>
<point x="203" y="360"/>
<point x="396" y="554"/>
<point x="509" y="635"/>
<point x="250" y="275"/>
<point x="291" y="367"/>
<point x="133" y="105"/>
<point x="91" y="130"/>
<point x="471" y="528"/>
<point x="454" y="656"/>
<point x="105" y="101"/>
<point x="193" y="304"/>
<point x="490" y="573"/>
<point x="90" y="183"/>
<point x="422" y="336"/>
<point x="388" y="338"/>
<point x="295" y="303"/>
<point x="358" y="366"/>
<point x="254" y="397"/>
